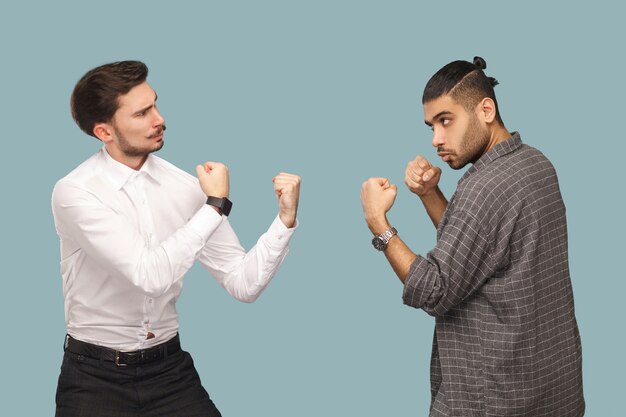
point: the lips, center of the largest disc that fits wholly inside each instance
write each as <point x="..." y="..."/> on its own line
<point x="157" y="135"/>
<point x="444" y="155"/>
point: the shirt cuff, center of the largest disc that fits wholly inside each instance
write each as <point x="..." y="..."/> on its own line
<point x="278" y="235"/>
<point x="204" y="222"/>
<point x="419" y="283"/>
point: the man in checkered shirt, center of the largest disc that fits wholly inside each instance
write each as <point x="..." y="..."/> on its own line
<point x="497" y="282"/>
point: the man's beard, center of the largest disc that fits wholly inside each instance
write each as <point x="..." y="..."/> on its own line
<point x="134" y="151"/>
<point x="475" y="140"/>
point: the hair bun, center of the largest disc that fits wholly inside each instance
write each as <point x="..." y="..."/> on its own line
<point x="480" y="63"/>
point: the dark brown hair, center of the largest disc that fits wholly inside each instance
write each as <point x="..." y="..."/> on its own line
<point x="95" y="97"/>
<point x="465" y="82"/>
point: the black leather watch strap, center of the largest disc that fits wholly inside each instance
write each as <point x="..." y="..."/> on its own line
<point x="222" y="203"/>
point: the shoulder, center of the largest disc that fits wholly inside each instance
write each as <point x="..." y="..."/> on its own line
<point x="85" y="170"/>
<point x="510" y="172"/>
<point x="518" y="174"/>
<point x="506" y="183"/>
<point x="80" y="177"/>
<point x="84" y="186"/>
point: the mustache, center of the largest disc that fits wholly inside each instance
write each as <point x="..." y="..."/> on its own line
<point x="160" y="130"/>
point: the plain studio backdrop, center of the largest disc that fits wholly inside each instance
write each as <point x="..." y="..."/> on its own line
<point x="330" y="90"/>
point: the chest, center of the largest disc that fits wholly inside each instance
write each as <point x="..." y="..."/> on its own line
<point x="157" y="210"/>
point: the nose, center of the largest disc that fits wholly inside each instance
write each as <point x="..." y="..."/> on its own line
<point x="437" y="137"/>
<point x="157" y="120"/>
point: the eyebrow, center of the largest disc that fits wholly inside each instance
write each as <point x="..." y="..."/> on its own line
<point x="437" y="116"/>
<point x="142" y="110"/>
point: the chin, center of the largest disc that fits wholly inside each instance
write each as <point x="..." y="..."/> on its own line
<point x="159" y="145"/>
<point x="456" y="165"/>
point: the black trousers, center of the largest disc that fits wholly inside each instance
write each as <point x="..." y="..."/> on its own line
<point x="169" y="387"/>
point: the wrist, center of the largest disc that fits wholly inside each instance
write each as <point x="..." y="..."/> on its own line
<point x="221" y="204"/>
<point x="216" y="194"/>
<point x="432" y="194"/>
<point x="288" y="219"/>
<point x="378" y="225"/>
<point x="428" y="194"/>
<point x="381" y="240"/>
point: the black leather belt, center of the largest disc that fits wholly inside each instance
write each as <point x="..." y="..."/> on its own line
<point x="136" y="357"/>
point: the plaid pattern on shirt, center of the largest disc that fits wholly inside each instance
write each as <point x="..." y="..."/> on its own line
<point x="506" y="340"/>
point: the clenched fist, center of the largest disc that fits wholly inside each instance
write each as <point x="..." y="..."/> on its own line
<point x="421" y="177"/>
<point x="213" y="177"/>
<point x="287" y="189"/>
<point x="377" y="197"/>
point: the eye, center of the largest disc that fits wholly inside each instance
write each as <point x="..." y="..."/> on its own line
<point x="445" y="121"/>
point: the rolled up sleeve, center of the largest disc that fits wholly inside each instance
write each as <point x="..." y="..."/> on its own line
<point x="451" y="272"/>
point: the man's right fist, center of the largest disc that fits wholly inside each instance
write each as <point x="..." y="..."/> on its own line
<point x="377" y="197"/>
<point x="421" y="177"/>
<point x="213" y="177"/>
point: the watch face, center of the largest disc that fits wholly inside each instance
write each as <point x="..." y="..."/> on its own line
<point x="379" y="243"/>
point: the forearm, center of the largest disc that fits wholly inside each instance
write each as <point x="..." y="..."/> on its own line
<point x="244" y="275"/>
<point x="398" y="254"/>
<point x="400" y="257"/>
<point x="435" y="204"/>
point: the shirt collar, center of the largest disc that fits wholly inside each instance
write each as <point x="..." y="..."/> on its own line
<point x="119" y="174"/>
<point x="500" y="149"/>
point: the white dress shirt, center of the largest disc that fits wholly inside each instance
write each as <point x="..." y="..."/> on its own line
<point x="128" y="238"/>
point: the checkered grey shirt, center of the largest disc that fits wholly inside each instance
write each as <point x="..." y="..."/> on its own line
<point x="506" y="340"/>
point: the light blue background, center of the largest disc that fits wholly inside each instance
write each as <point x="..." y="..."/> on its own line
<point x="329" y="90"/>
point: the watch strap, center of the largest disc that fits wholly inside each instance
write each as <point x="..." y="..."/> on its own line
<point x="380" y="241"/>
<point x="222" y="203"/>
<point x="387" y="235"/>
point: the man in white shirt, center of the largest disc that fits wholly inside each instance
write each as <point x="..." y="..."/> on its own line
<point x="131" y="225"/>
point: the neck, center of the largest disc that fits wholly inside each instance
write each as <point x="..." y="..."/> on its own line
<point x="132" y="161"/>
<point x="498" y="134"/>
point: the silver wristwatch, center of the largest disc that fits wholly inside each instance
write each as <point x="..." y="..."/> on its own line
<point x="380" y="241"/>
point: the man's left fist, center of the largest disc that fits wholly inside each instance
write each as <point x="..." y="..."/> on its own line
<point x="287" y="189"/>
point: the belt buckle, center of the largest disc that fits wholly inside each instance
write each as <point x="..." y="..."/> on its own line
<point x="117" y="359"/>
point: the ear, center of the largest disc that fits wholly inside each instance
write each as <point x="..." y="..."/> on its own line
<point x="103" y="131"/>
<point x="486" y="110"/>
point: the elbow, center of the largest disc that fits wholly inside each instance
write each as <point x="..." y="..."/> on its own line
<point x="247" y="297"/>
<point x="246" y="287"/>
<point x="438" y="305"/>
<point x="426" y="288"/>
<point x="435" y="311"/>
<point x="431" y="298"/>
